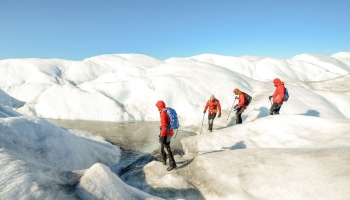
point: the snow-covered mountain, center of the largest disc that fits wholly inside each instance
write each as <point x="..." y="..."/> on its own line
<point x="126" y="86"/>
<point x="304" y="153"/>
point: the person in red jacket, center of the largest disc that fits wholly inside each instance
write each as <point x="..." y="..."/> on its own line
<point x="277" y="97"/>
<point x="214" y="105"/>
<point x="240" y="106"/>
<point x="165" y="136"/>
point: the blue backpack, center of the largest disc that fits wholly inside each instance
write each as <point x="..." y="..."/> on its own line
<point x="174" y="122"/>
<point x="286" y="95"/>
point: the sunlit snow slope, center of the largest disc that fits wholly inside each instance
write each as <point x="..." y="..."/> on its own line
<point x="303" y="153"/>
<point x="127" y="86"/>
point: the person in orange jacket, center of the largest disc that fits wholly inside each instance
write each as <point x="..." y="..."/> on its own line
<point x="277" y="97"/>
<point x="214" y="105"/>
<point x="240" y="106"/>
<point x="165" y="136"/>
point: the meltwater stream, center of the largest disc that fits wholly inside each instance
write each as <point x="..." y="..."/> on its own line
<point x="137" y="140"/>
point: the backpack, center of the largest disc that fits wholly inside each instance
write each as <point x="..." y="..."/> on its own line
<point x="248" y="99"/>
<point x="286" y="95"/>
<point x="174" y="122"/>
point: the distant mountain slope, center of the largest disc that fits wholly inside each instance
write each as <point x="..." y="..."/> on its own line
<point x="126" y="86"/>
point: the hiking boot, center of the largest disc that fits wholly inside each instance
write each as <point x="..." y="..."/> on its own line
<point x="171" y="167"/>
<point x="211" y="130"/>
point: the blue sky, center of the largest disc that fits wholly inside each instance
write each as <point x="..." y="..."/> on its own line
<point x="74" y="30"/>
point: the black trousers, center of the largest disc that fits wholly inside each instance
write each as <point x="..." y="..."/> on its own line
<point x="275" y="109"/>
<point x="165" y="150"/>
<point x="239" y="112"/>
<point x="211" y="118"/>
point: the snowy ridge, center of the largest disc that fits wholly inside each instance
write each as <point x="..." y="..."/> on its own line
<point x="8" y="112"/>
<point x="125" y="87"/>
<point x="301" y="154"/>
<point x="7" y="100"/>
<point x="38" y="160"/>
<point x="49" y="145"/>
<point x="104" y="184"/>
<point x="265" y="69"/>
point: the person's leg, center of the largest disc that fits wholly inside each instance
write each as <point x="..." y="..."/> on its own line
<point x="162" y="153"/>
<point x="277" y="110"/>
<point x="273" y="108"/>
<point x="211" y="121"/>
<point x="209" y="117"/>
<point x="238" y="116"/>
<point x="172" y="163"/>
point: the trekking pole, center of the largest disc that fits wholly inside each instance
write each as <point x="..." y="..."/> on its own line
<point x="176" y="133"/>
<point x="270" y="100"/>
<point x="231" y="108"/>
<point x="202" y="124"/>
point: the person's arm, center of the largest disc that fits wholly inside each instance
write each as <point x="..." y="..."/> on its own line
<point x="219" y="107"/>
<point x="163" y="123"/>
<point x="274" y="96"/>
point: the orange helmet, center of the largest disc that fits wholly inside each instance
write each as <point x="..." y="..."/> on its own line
<point x="236" y="91"/>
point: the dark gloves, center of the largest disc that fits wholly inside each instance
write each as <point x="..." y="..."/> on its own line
<point x="204" y="111"/>
<point x="236" y="107"/>
<point x="219" y="115"/>
<point x="160" y="128"/>
<point x="270" y="97"/>
<point x="236" y="97"/>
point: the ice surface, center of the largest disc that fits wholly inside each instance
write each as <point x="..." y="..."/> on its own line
<point x="275" y="157"/>
<point x="283" y="131"/>
<point x="303" y="153"/>
<point x="270" y="174"/>
<point x="39" y="160"/>
<point x="100" y="183"/>
<point x="256" y="174"/>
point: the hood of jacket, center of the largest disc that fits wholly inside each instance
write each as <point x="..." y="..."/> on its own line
<point x="160" y="105"/>
<point x="277" y="82"/>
